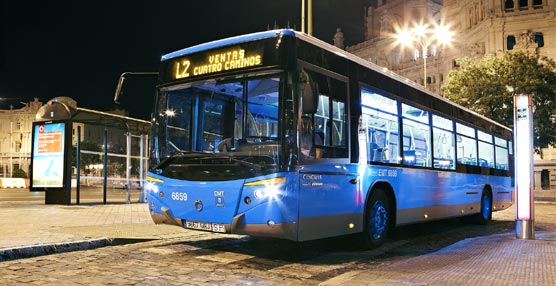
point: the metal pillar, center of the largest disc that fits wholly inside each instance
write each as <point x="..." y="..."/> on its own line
<point x="78" y="166"/>
<point x="141" y="169"/>
<point x="105" y="166"/>
<point x="128" y="166"/>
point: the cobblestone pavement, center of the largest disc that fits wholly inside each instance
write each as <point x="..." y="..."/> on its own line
<point x="199" y="258"/>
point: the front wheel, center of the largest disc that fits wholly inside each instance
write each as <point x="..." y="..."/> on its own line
<point x="377" y="219"/>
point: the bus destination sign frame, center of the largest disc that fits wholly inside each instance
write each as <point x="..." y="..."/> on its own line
<point x="223" y="60"/>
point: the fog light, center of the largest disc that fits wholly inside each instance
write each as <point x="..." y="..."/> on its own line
<point x="161" y="195"/>
<point x="247" y="200"/>
<point x="270" y="222"/>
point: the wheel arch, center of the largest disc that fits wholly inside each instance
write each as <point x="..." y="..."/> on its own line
<point x="487" y="188"/>
<point x="388" y="190"/>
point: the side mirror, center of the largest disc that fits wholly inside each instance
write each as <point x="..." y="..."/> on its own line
<point x="309" y="93"/>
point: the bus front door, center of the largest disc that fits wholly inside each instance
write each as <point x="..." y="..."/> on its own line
<point x="329" y="202"/>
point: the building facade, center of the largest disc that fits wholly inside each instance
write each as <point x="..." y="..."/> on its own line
<point x="479" y="27"/>
<point x="15" y="138"/>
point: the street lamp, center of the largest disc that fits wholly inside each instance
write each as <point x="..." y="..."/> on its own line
<point x="424" y="38"/>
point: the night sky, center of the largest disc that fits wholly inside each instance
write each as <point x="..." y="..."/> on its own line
<point x="79" y="48"/>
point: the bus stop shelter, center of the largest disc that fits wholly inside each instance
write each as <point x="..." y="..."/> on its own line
<point x="112" y="134"/>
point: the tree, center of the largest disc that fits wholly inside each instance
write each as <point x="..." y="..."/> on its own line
<point x="488" y="86"/>
<point x="18" y="173"/>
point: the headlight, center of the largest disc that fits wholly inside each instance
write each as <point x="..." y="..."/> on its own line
<point x="269" y="188"/>
<point x="151" y="187"/>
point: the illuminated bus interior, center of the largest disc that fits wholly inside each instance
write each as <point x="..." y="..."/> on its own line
<point x="231" y="120"/>
<point x="425" y="144"/>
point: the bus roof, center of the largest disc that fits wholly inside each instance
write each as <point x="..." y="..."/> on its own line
<point x="229" y="41"/>
<point x="323" y="45"/>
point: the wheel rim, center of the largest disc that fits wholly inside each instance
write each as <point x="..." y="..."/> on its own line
<point x="486" y="207"/>
<point x="379" y="220"/>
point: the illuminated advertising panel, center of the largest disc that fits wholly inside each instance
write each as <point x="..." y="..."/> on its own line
<point x="49" y="143"/>
<point x="523" y="124"/>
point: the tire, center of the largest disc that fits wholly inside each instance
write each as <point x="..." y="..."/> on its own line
<point x="377" y="220"/>
<point x="485" y="215"/>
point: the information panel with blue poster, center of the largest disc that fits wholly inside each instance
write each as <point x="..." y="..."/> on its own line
<point x="48" y="155"/>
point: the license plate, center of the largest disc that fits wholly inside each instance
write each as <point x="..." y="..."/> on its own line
<point x="207" y="226"/>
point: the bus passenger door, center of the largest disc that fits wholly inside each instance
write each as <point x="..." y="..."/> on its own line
<point x="327" y="205"/>
<point x="328" y="202"/>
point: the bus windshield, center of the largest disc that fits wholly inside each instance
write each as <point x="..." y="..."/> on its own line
<point x="218" y="130"/>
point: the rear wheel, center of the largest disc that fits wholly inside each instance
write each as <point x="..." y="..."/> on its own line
<point x="377" y="219"/>
<point x="486" y="209"/>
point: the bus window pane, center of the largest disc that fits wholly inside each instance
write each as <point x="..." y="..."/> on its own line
<point x="466" y="150"/>
<point x="262" y="104"/>
<point x="444" y="149"/>
<point x="381" y="130"/>
<point x="415" y="114"/>
<point x="501" y="158"/>
<point x="484" y="136"/>
<point x="374" y="100"/>
<point x="465" y="130"/>
<point x="442" y="122"/>
<point x="416" y="144"/>
<point x="500" y="142"/>
<point x="330" y="119"/>
<point x="486" y="155"/>
<point x="339" y="136"/>
<point x="321" y="119"/>
<point x="178" y="121"/>
<point x="212" y="123"/>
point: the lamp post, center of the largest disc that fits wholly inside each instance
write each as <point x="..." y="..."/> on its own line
<point x="424" y="38"/>
<point x="309" y="21"/>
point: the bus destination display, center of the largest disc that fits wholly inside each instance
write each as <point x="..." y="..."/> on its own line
<point x="215" y="62"/>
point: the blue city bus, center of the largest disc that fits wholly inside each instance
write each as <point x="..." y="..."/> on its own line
<point x="278" y="134"/>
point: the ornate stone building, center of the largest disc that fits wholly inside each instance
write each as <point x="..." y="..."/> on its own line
<point x="15" y="138"/>
<point x="479" y="27"/>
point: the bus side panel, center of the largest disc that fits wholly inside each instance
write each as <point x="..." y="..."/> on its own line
<point x="501" y="192"/>
<point x="422" y="194"/>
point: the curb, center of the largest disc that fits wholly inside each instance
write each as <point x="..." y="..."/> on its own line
<point x="46" y="249"/>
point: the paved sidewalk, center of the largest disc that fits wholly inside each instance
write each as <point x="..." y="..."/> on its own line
<point x="32" y="228"/>
<point x="498" y="260"/>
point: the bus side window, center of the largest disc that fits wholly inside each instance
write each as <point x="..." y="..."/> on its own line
<point x="416" y="136"/>
<point x="330" y="119"/>
<point x="443" y="142"/>
<point x="501" y="152"/>
<point x="379" y="121"/>
<point x="466" y="151"/>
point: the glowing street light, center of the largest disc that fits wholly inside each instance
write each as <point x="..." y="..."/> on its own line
<point x="424" y="38"/>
